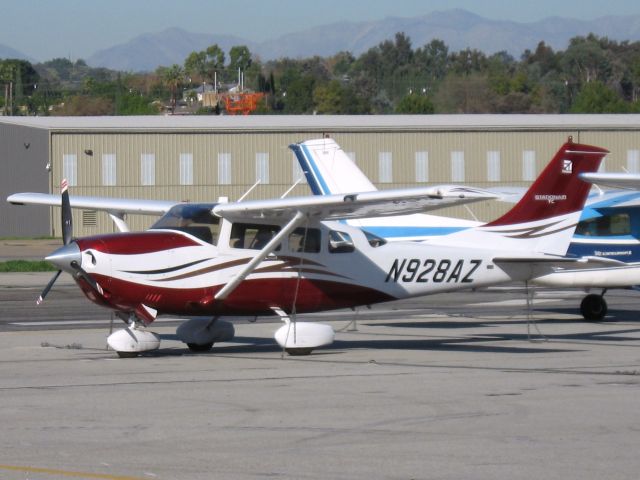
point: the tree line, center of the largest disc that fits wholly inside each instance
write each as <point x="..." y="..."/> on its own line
<point x="592" y="75"/>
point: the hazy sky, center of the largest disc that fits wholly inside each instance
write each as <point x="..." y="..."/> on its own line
<point x="45" y="29"/>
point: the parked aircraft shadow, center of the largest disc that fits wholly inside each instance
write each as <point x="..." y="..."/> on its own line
<point x="266" y="345"/>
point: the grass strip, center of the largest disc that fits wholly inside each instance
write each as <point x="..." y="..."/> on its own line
<point x="26" y="266"/>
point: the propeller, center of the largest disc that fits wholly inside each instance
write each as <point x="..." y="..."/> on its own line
<point x="67" y="257"/>
<point x="67" y="218"/>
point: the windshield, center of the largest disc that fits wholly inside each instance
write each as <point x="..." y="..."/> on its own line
<point x="193" y="218"/>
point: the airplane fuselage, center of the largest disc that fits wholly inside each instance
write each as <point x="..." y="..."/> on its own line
<point x="177" y="273"/>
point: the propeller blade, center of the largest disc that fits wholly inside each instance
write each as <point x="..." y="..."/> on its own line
<point x="48" y="287"/>
<point x="95" y="285"/>
<point x="67" y="220"/>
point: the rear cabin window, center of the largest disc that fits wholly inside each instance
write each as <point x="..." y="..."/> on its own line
<point x="193" y="218"/>
<point x="605" y="226"/>
<point x="340" y="242"/>
<point x="374" y="240"/>
<point x="252" y="236"/>
<point x="305" y="240"/>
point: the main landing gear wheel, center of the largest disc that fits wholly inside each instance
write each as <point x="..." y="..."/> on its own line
<point x="298" y="352"/>
<point x="128" y="354"/>
<point x="593" y="307"/>
<point x="194" y="347"/>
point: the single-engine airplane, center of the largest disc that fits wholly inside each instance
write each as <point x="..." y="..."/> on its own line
<point x="609" y="226"/>
<point x="290" y="256"/>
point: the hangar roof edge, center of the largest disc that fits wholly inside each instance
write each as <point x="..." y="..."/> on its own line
<point x="328" y="122"/>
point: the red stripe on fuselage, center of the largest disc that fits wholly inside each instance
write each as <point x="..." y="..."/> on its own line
<point x="135" y="243"/>
<point x="251" y="297"/>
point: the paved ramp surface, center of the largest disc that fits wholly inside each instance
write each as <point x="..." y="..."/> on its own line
<point x="449" y="387"/>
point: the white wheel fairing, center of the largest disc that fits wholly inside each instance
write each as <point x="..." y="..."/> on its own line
<point x="132" y="340"/>
<point x="304" y="335"/>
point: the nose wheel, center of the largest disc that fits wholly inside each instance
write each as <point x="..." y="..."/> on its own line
<point x="594" y="307"/>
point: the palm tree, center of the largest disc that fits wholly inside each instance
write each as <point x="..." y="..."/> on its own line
<point x="173" y="77"/>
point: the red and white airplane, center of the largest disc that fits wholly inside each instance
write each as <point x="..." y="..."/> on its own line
<point x="291" y="256"/>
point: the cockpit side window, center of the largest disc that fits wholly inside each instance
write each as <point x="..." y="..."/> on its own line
<point x="193" y="218"/>
<point x="605" y="226"/>
<point x="252" y="236"/>
<point x="305" y="240"/>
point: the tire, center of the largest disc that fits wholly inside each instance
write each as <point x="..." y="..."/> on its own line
<point x="593" y="307"/>
<point x="128" y="354"/>
<point x="298" y="352"/>
<point x="194" y="347"/>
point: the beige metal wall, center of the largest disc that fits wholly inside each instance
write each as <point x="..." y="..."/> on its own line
<point x="366" y="145"/>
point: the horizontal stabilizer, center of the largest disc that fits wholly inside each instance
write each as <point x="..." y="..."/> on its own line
<point x="627" y="181"/>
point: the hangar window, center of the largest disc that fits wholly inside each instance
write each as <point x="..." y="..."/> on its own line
<point x="70" y="169"/>
<point x="109" y="169"/>
<point x="148" y="169"/>
<point x="186" y="169"/>
<point x="457" y="166"/>
<point x="605" y="226"/>
<point x="385" y="167"/>
<point x="262" y="167"/>
<point x="224" y="169"/>
<point x="297" y="175"/>
<point x="528" y="165"/>
<point x="252" y="236"/>
<point x="193" y="218"/>
<point x="493" y="166"/>
<point x="422" y="167"/>
<point x="633" y="161"/>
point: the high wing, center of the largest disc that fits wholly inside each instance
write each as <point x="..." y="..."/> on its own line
<point x="356" y="205"/>
<point x="627" y="181"/>
<point x="115" y="207"/>
<point x="337" y="207"/>
<point x="144" y="207"/>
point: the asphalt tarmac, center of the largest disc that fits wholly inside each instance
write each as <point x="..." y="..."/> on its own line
<point x="458" y="386"/>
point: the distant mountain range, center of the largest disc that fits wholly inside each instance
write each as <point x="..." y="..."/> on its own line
<point x="459" y="29"/>
<point x="8" y="52"/>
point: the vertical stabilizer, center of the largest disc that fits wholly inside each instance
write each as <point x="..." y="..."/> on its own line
<point x="329" y="169"/>
<point x="545" y="218"/>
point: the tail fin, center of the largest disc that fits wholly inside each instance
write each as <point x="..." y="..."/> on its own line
<point x="558" y="190"/>
<point x="329" y="169"/>
<point x="545" y="218"/>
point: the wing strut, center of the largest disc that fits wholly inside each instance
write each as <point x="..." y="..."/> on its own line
<point x="118" y="219"/>
<point x="262" y="254"/>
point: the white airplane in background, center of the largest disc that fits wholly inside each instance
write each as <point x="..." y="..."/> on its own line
<point x="289" y="256"/>
<point x="609" y="226"/>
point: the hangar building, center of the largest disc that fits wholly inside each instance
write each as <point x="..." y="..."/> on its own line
<point x="201" y="158"/>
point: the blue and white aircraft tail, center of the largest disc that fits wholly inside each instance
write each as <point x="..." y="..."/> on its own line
<point x="329" y="170"/>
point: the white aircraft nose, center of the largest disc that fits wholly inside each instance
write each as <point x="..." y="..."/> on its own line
<point x="64" y="256"/>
